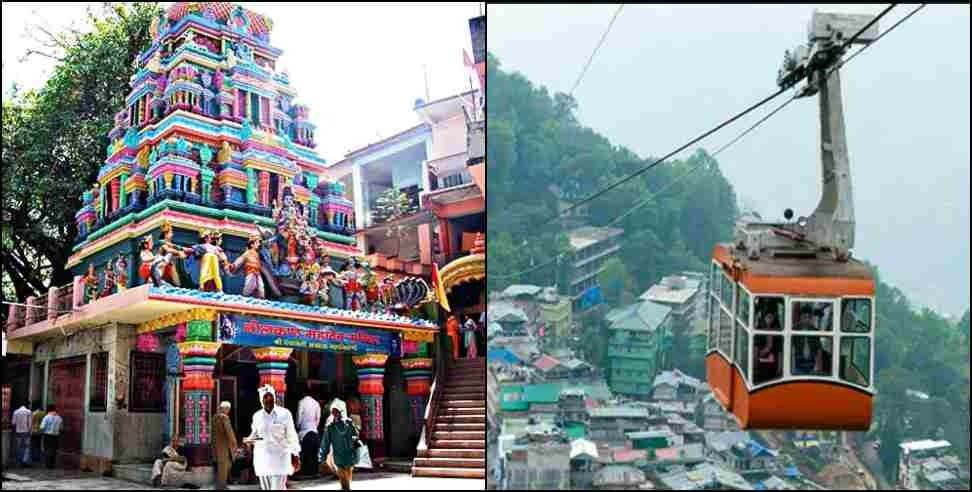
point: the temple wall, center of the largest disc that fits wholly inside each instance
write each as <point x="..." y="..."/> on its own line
<point x="137" y="436"/>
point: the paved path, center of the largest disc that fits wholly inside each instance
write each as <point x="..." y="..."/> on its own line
<point x="32" y="480"/>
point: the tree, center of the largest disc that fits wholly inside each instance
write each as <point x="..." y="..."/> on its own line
<point x="615" y="283"/>
<point x="54" y="141"/>
<point x="964" y="326"/>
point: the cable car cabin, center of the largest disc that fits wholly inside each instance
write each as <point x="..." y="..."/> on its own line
<point x="791" y="340"/>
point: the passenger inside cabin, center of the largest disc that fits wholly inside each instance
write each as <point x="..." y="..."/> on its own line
<point x="769" y="312"/>
<point x="769" y="353"/>
<point x="811" y="357"/>
<point x="805" y="320"/>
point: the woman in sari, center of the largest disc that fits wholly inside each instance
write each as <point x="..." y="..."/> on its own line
<point x="469" y="333"/>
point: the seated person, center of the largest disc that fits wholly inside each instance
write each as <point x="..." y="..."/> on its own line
<point x="805" y="321"/>
<point x="768" y="355"/>
<point x="768" y="321"/>
<point x="172" y="467"/>
<point x="810" y="358"/>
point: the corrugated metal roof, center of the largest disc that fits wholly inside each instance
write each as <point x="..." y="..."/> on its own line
<point x="521" y="290"/>
<point x="644" y="316"/>
<point x="925" y="445"/>
<point x="580" y="447"/>
<point x="505" y="311"/>
<point x="673" y="292"/>
<point x="619" y="412"/>
<point x="546" y="363"/>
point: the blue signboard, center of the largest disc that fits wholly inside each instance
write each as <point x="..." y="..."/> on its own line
<point x="253" y="331"/>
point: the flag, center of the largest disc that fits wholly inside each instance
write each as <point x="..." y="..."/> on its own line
<point x="439" y="289"/>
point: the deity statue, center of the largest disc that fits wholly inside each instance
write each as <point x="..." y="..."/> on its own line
<point x="311" y="286"/>
<point x="252" y="267"/>
<point x="121" y="273"/>
<point x="211" y="258"/>
<point x="387" y="291"/>
<point x="108" y="287"/>
<point x="328" y="278"/>
<point x="289" y="231"/>
<point x="90" y="285"/>
<point x="351" y="277"/>
<point x="167" y="250"/>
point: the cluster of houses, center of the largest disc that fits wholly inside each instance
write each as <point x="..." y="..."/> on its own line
<point x="931" y="465"/>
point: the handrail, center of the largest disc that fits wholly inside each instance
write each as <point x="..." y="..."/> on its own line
<point x="443" y="358"/>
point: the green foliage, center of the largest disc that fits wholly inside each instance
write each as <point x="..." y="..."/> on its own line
<point x="54" y="142"/>
<point x="540" y="156"/>
<point x="392" y="204"/>
<point x="615" y="283"/>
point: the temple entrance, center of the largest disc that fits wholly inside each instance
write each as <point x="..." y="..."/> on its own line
<point x="468" y="300"/>
<point x="237" y="383"/>
<point x="66" y="392"/>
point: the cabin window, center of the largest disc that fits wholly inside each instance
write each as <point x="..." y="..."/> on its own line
<point x="742" y="350"/>
<point x="811" y="356"/>
<point x="713" y="323"/>
<point x="714" y="281"/>
<point x="770" y="314"/>
<point x="855" y="360"/>
<point x="726" y="292"/>
<point x="855" y="316"/>
<point x="812" y="316"/>
<point x="725" y="333"/>
<point x="742" y="306"/>
<point x="767" y="358"/>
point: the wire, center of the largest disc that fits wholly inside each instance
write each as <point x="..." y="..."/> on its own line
<point x="596" y="48"/>
<point x="866" y="46"/>
<point x="704" y="135"/>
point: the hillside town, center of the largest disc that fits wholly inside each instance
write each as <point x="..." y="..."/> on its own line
<point x="559" y="421"/>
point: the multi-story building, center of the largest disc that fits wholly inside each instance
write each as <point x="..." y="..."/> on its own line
<point x="611" y="424"/>
<point x="538" y="462"/>
<point x="675" y="386"/>
<point x="591" y="248"/>
<point x="685" y="295"/>
<point x="739" y="452"/>
<point x="704" y="477"/>
<point x="927" y="465"/>
<point x="548" y="309"/>
<point x="637" y="346"/>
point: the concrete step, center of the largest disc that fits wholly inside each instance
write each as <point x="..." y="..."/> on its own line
<point x="452" y="427"/>
<point x="452" y="396"/>
<point x="450" y="472"/>
<point x="472" y="385"/>
<point x="445" y="411"/>
<point x="133" y="473"/>
<point x="447" y="404"/>
<point x="458" y="435"/>
<point x="459" y="444"/>
<point x="468" y="377"/>
<point x="457" y="453"/>
<point x="460" y="419"/>
<point x="450" y="462"/>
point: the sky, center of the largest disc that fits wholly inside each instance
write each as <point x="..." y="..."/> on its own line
<point x="359" y="67"/>
<point x="666" y="74"/>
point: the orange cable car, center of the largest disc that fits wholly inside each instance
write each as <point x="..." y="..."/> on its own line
<point x="791" y="315"/>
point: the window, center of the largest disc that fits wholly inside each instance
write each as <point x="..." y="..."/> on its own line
<point x="148" y="373"/>
<point x="742" y="306"/>
<point x="769" y="314"/>
<point x="98" y="400"/>
<point x="767" y="358"/>
<point x="812" y="356"/>
<point x="812" y="316"/>
<point x="726" y="292"/>
<point x="725" y="332"/>
<point x="742" y="350"/>
<point x="713" y="322"/>
<point x="715" y="283"/>
<point x="855" y="316"/>
<point x="855" y="360"/>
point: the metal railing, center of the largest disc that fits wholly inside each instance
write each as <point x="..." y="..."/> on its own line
<point x="443" y="359"/>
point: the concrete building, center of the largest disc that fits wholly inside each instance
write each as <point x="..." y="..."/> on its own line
<point x="583" y="461"/>
<point x="619" y="477"/>
<point x="928" y="465"/>
<point x="637" y="348"/>
<point x="611" y="424"/>
<point x="674" y="385"/>
<point x="546" y="308"/>
<point x="538" y="462"/>
<point x="704" y="477"/>
<point x="739" y="452"/>
<point x="591" y="248"/>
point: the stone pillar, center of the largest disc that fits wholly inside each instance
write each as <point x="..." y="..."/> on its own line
<point x="418" y="386"/>
<point x="52" y="295"/>
<point x="272" y="364"/>
<point x="371" y="387"/>
<point x="29" y="315"/>
<point x="198" y="355"/>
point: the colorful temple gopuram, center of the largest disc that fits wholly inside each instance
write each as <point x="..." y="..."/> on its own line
<point x="216" y="255"/>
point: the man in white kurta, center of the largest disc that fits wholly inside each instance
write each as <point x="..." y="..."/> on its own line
<point x="275" y="442"/>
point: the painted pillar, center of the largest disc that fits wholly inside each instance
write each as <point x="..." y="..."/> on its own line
<point x="418" y="386"/>
<point x="272" y="364"/>
<point x="198" y="355"/>
<point x="207" y="175"/>
<point x="123" y="198"/>
<point x="315" y="203"/>
<point x="264" y="188"/>
<point x="371" y="388"/>
<point x="251" y="183"/>
<point x="114" y="194"/>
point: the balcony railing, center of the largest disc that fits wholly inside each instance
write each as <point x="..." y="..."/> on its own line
<point x="59" y="300"/>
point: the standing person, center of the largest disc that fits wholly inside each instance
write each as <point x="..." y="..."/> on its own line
<point x="224" y="444"/>
<point x="452" y="330"/>
<point x="51" y="429"/>
<point x="308" y="420"/>
<point x="470" y="334"/>
<point x="35" y="436"/>
<point x="340" y="443"/>
<point x="21" y="428"/>
<point x="275" y="442"/>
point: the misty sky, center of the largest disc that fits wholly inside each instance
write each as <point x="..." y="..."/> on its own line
<point x="667" y="73"/>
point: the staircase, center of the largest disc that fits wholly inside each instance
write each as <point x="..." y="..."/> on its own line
<point x="457" y="443"/>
